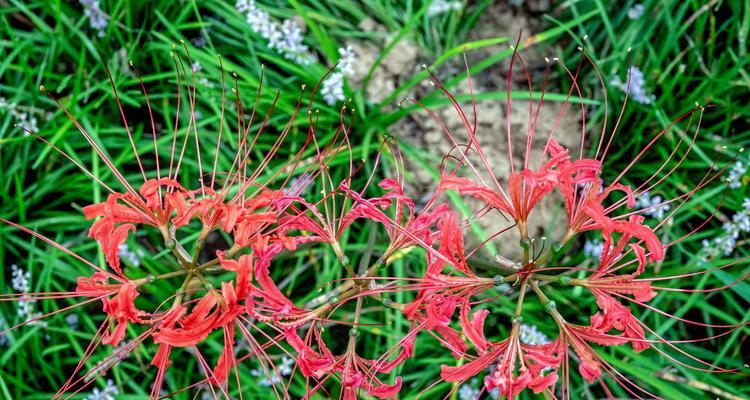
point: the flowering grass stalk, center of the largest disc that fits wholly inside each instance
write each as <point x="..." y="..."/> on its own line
<point x="266" y="212"/>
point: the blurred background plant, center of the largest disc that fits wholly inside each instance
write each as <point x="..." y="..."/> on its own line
<point x="371" y="55"/>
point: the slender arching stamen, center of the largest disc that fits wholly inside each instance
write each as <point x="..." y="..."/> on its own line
<point x="471" y="132"/>
<point x="622" y="109"/>
<point x="93" y="144"/>
<point x="193" y="101"/>
<point x="177" y="113"/>
<point x="533" y="123"/>
<point x="88" y="378"/>
<point x="208" y="372"/>
<point x="240" y="141"/>
<point x="93" y="344"/>
<point x="509" y="79"/>
<point x="76" y="163"/>
<point x="274" y="148"/>
<point x="125" y="121"/>
<point x="260" y="352"/>
<point x="63" y="249"/>
<point x="153" y="125"/>
<point x="221" y="123"/>
<point x="573" y="87"/>
<point x="640" y="187"/>
<point x="463" y="153"/>
<point x="41" y="317"/>
<point x="191" y="120"/>
<point x="599" y="76"/>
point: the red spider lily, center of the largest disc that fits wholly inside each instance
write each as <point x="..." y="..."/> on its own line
<point x="354" y="372"/>
<point x="122" y="309"/>
<point x="406" y="228"/>
<point x="161" y="358"/>
<point x="440" y="294"/>
<point x="596" y="219"/>
<point x="528" y="187"/>
<point x="163" y="203"/>
<point x="121" y="211"/>
<point x="517" y="366"/>
<point x="269" y="304"/>
<point x="590" y="206"/>
<point x="97" y="285"/>
<point x="450" y="254"/>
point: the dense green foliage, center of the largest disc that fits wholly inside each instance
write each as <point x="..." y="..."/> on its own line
<point x="689" y="53"/>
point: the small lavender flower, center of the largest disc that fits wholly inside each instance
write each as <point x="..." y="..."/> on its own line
<point x="651" y="205"/>
<point x="119" y="353"/>
<point x="3" y="336"/>
<point x="438" y="7"/>
<point x="286" y="37"/>
<point x="28" y="123"/>
<point x="72" y="321"/>
<point x="201" y="79"/>
<point x="636" y="88"/>
<point x="593" y="248"/>
<point x="347" y="58"/>
<point x="736" y="173"/>
<point x="25" y="117"/>
<point x="21" y="282"/>
<point x="469" y="390"/>
<point x="530" y="334"/>
<point x="132" y="257"/>
<point x="20" y="279"/>
<point x="741" y="220"/>
<point x="285" y="368"/>
<point x="333" y="86"/>
<point x="731" y="232"/>
<point x="199" y="41"/>
<point x="109" y="392"/>
<point x="98" y="19"/>
<point x="636" y="11"/>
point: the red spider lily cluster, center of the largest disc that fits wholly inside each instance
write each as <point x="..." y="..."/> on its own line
<point x="235" y="291"/>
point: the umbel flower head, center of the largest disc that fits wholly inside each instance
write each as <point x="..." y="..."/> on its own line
<point x="230" y="303"/>
<point x="593" y="201"/>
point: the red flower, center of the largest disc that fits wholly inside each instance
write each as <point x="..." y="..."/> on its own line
<point x="616" y="316"/>
<point x="110" y="236"/>
<point x="356" y="373"/>
<point x="405" y="228"/>
<point x="97" y="285"/>
<point x="194" y="327"/>
<point x="593" y="216"/>
<point x="121" y="212"/>
<point x="244" y="269"/>
<point x="310" y="362"/>
<point x="577" y="336"/>
<point x="161" y="359"/>
<point x="527" y="188"/>
<point x="122" y="309"/>
<point x="227" y="359"/>
<point x="472" y="368"/>
<point x="474" y="328"/>
<point x="536" y="369"/>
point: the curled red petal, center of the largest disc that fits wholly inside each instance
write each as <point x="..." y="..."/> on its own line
<point x="227" y="358"/>
<point x="384" y="391"/>
<point x="542" y="383"/>
<point x="470" y="369"/>
<point x="474" y="329"/>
